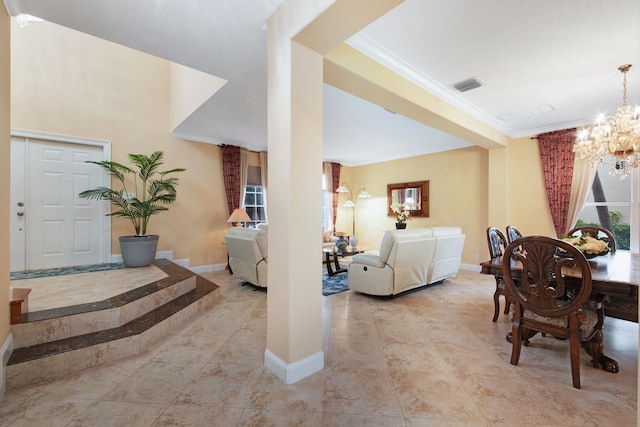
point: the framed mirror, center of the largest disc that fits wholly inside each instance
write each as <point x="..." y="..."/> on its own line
<point x="412" y="195"/>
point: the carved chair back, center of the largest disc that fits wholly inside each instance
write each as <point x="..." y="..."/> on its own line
<point x="541" y="286"/>
<point x="513" y="233"/>
<point x="496" y="241"/>
<point x="595" y="232"/>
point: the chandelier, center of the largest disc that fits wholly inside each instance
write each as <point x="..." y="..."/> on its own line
<point x="616" y="138"/>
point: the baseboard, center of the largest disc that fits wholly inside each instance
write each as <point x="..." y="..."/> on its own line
<point x="181" y="262"/>
<point x="471" y="267"/>
<point x="5" y="354"/>
<point x="292" y="373"/>
<point x="207" y="268"/>
<point x="162" y="254"/>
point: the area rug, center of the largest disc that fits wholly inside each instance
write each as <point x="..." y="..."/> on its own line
<point x="32" y="274"/>
<point x="335" y="284"/>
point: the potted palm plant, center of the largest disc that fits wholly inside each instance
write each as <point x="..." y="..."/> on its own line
<point x="153" y="189"/>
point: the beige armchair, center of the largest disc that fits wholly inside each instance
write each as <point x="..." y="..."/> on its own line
<point x="248" y="254"/>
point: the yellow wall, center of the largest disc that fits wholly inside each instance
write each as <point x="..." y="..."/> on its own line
<point x="472" y="188"/>
<point x="457" y="188"/>
<point x="527" y="194"/>
<point x="68" y="83"/>
<point x="5" y="26"/>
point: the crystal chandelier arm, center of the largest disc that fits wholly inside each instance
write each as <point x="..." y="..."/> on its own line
<point x="616" y="137"/>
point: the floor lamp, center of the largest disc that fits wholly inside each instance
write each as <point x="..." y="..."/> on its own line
<point x="351" y="203"/>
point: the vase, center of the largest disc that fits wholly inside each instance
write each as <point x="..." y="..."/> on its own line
<point x="401" y="225"/>
<point x="353" y="241"/>
<point x="138" y="251"/>
<point x="341" y="244"/>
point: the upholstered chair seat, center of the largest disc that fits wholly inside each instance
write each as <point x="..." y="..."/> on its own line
<point x="586" y="323"/>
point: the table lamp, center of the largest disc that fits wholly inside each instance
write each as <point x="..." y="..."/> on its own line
<point x="238" y="216"/>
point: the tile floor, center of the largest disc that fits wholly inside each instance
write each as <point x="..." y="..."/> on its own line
<point x="429" y="358"/>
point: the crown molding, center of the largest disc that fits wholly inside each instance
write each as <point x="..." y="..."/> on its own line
<point x="377" y="52"/>
<point x="552" y="128"/>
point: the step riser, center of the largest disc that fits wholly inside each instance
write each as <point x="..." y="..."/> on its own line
<point x="47" y="347"/>
<point x="58" y="365"/>
<point x="48" y="330"/>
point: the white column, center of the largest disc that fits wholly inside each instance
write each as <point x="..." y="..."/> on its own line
<point x="299" y="33"/>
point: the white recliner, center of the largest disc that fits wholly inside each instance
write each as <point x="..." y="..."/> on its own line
<point x="448" y="253"/>
<point x="408" y="259"/>
<point x="248" y="254"/>
<point x="403" y="263"/>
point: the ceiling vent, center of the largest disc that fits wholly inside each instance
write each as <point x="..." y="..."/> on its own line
<point x="468" y="84"/>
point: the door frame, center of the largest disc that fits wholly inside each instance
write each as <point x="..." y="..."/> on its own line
<point x="106" y="179"/>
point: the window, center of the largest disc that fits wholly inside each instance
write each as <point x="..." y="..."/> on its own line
<point x="254" y="205"/>
<point x="327" y="206"/>
<point x="254" y="200"/>
<point x="613" y="204"/>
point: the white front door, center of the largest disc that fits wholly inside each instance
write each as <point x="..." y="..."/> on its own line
<point x="59" y="228"/>
<point x="17" y="209"/>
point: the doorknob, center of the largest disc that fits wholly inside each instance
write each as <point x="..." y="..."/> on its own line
<point x="20" y="213"/>
<point x="20" y="204"/>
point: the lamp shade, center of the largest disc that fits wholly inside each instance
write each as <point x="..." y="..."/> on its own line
<point x="238" y="216"/>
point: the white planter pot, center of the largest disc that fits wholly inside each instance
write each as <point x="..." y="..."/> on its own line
<point x="138" y="251"/>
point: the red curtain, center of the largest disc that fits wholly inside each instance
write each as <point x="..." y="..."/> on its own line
<point x="556" y="153"/>
<point x="231" y="175"/>
<point x="335" y="182"/>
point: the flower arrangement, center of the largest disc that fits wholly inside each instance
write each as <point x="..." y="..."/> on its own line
<point x="587" y="244"/>
<point x="401" y="212"/>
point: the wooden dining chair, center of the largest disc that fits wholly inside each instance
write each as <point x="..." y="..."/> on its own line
<point x="513" y="233"/>
<point x="595" y="232"/>
<point x="545" y="303"/>
<point x="497" y="244"/>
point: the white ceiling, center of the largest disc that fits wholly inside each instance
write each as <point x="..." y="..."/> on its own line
<point x="545" y="65"/>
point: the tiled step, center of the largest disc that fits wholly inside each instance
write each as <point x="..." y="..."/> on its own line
<point x="55" y="357"/>
<point x="44" y="326"/>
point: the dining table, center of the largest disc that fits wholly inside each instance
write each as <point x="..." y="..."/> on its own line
<point x="615" y="274"/>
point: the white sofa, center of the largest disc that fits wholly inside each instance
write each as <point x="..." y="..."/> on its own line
<point x="408" y="259"/>
<point x="448" y="253"/>
<point x="248" y="254"/>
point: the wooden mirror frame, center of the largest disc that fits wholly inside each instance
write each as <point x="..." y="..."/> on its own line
<point x="423" y="211"/>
